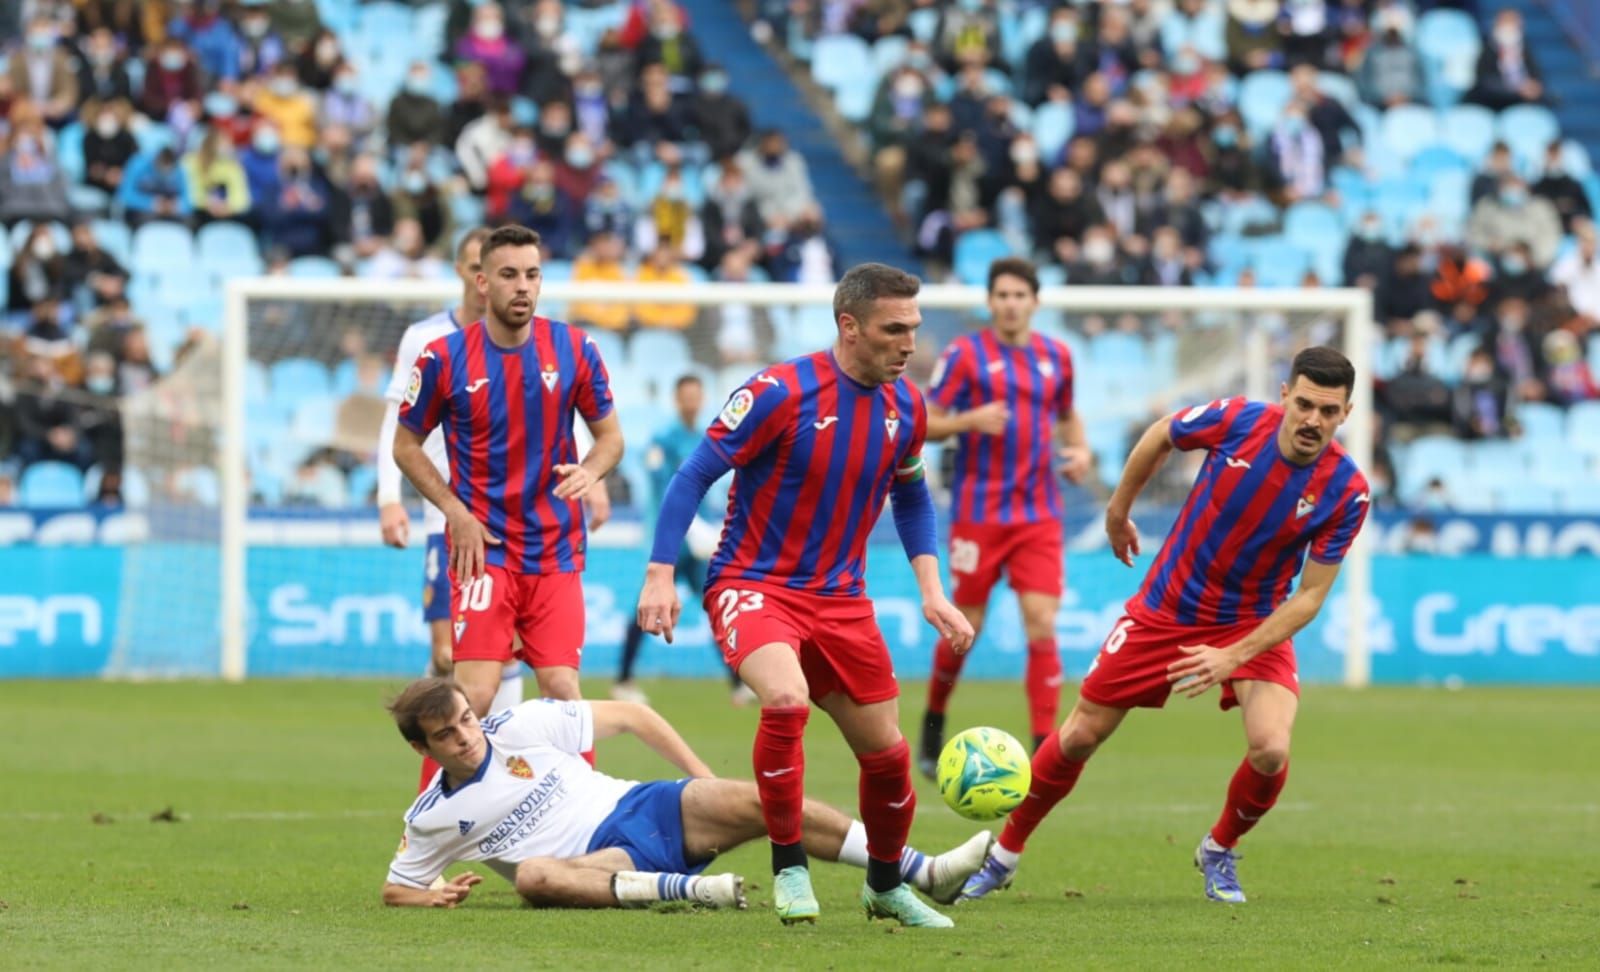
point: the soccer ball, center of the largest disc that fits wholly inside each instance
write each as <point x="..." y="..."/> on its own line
<point x="984" y="773"/>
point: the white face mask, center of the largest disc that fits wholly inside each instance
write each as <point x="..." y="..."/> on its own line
<point x="106" y="126"/>
<point x="1098" y="250"/>
<point x="43" y="248"/>
<point x="490" y="29"/>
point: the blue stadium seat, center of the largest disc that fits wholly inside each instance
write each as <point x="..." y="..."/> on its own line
<point x="854" y="97"/>
<point x="1262" y="97"/>
<point x="659" y="351"/>
<point x="153" y="137"/>
<point x="1448" y="42"/>
<point x="1428" y="457"/>
<point x="1528" y="129"/>
<point x="1437" y="157"/>
<point x="298" y="378"/>
<point x="1450" y="195"/>
<point x="609" y="343"/>
<point x="1283" y="266"/>
<point x="161" y="246"/>
<point x="1526" y="497"/>
<point x="69" y="151"/>
<point x="1313" y="226"/>
<point x="1469" y="131"/>
<point x="1053" y="125"/>
<point x="924" y="23"/>
<point x="115" y="238"/>
<point x="430" y="20"/>
<point x="314" y="268"/>
<point x="46" y="484"/>
<point x="228" y="249"/>
<point x="839" y="58"/>
<point x="1408" y="129"/>
<point x="1575" y="159"/>
<point x="974" y="251"/>
<point x="1541" y="420"/>
<point x="88" y="200"/>
<point x="1115" y="352"/>
<point x="1249" y="214"/>
<point x="58" y="232"/>
<point x="363" y="483"/>
<point x="1017" y="34"/>
<point x="1580" y="497"/>
<point x="200" y="483"/>
<point x="314" y="419"/>
<point x="257" y="383"/>
<point x="1339" y="87"/>
<point x="1583" y="419"/>
<point x="887" y="53"/>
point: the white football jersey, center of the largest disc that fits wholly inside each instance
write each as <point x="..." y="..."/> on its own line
<point x="534" y="796"/>
<point x="416" y="337"/>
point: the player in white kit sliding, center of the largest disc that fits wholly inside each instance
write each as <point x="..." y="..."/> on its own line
<point x="513" y="792"/>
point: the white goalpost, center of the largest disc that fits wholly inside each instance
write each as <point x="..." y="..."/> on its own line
<point x="1183" y="345"/>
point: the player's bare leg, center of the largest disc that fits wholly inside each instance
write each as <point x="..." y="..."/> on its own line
<point x="1043" y="680"/>
<point x="1057" y="764"/>
<point x="719" y="815"/>
<point x="1268" y="710"/>
<point x="773" y="672"/>
<point x="941" y="684"/>
<point x="558" y="682"/>
<point x="888" y="803"/>
<point x="606" y="879"/>
<point x="480" y="680"/>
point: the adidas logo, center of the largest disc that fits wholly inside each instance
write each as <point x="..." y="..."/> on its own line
<point x="466" y="826"/>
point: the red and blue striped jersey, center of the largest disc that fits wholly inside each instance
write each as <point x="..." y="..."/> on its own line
<point x="507" y="415"/>
<point x="814" y="454"/>
<point x="1250" y="518"/>
<point x="1007" y="478"/>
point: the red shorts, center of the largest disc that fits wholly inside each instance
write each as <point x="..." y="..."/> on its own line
<point x="1131" y="669"/>
<point x="837" y="638"/>
<point x="1030" y="554"/>
<point x="544" y="610"/>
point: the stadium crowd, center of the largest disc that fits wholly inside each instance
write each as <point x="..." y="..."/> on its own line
<point x="1116" y="143"/>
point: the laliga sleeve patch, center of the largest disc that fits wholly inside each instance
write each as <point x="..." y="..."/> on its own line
<point x="414" y="386"/>
<point x="738" y="407"/>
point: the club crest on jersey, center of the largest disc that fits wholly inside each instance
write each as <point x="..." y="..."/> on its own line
<point x="461" y="625"/>
<point x="550" y="376"/>
<point x="1307" y="502"/>
<point x="891" y="424"/>
<point x="733" y="413"/>
<point x="1046" y="368"/>
<point x="414" y="386"/>
<point x="518" y="767"/>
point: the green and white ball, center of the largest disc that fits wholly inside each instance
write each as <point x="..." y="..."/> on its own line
<point x="984" y="773"/>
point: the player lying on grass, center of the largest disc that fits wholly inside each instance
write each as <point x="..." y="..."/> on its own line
<point x="514" y="792"/>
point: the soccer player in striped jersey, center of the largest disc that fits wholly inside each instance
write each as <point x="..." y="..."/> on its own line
<point x="1215" y="607"/>
<point x="505" y="391"/>
<point x="818" y="443"/>
<point x="515" y="795"/>
<point x="1006" y="391"/>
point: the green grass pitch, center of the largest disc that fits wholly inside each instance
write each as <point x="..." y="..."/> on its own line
<point x="1419" y="828"/>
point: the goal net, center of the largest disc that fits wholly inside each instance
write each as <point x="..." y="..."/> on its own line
<point x="290" y="576"/>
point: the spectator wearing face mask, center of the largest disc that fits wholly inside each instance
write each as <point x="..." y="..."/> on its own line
<point x="1564" y="192"/>
<point x="968" y="33"/>
<point x="485" y="140"/>
<point x="416" y="198"/>
<point x="103" y="75"/>
<point x="1297" y="155"/>
<point x="507" y="173"/>
<point x="290" y="108"/>
<point x="345" y="106"/>
<point x="220" y="111"/>
<point x="642" y="15"/>
<point x="777" y="175"/>
<point x="260" y="47"/>
<point x="544" y="208"/>
<point x="607" y="210"/>
<point x="653" y="115"/>
<point x="32" y="185"/>
<point x="201" y="26"/>
<point x="901" y="103"/>
<point x="48" y="420"/>
<point x="414" y="115"/>
<point x="298" y="218"/>
<point x="218" y="188"/>
<point x="1513" y="215"/>
<point x="407" y="256"/>
<point x="1055" y="65"/>
<point x="1515" y="351"/>
<point x="577" y="168"/>
<point x="1507" y="73"/>
<point x="260" y="163"/>
<point x="319" y="60"/>
<point x="100" y="420"/>
<point x="43" y="71"/>
<point x="363" y="217"/>
<point x="720" y="119"/>
<point x="297" y="22"/>
<point x="669" y="44"/>
<point x="1567" y="374"/>
<point x="1391" y="71"/>
<point x="173" y="77"/>
<point x="93" y="275"/>
<point x="670" y="220"/>
<point x="486" y="44"/>
<point x="1367" y="256"/>
<point x="38" y="272"/>
<point x="1516" y="276"/>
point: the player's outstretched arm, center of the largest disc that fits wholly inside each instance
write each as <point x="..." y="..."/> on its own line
<point x="392" y="517"/>
<point x="613" y="718"/>
<point x="448" y="895"/>
<point x="658" y="601"/>
<point x="1146" y="457"/>
<point x="1206" y="666"/>
<point x="467" y="535"/>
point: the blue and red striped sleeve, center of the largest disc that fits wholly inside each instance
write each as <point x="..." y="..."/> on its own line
<point x="1064" y="384"/>
<point x="1205" y="426"/>
<point x="427" y="390"/>
<point x="1333" y="541"/>
<point x="952" y="376"/>
<point x="752" y="419"/>
<point x="594" y="382"/>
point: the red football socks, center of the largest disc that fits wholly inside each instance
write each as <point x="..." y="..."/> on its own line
<point x="1054" y="776"/>
<point x="1044" y="686"/>
<point x="946" y="671"/>
<point x="888" y="802"/>
<point x="780" y="762"/>
<point x="1250" y="795"/>
<point x="429" y="768"/>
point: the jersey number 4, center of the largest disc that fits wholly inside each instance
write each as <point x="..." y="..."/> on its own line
<point x="731" y="604"/>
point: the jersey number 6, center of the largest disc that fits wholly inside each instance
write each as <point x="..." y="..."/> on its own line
<point x="1118" y="635"/>
<point x="731" y="603"/>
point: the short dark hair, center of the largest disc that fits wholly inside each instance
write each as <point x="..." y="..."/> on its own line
<point x="1014" y="267"/>
<point x="689" y="379"/>
<point x="1325" y="367"/>
<point x="507" y="236"/>
<point x="865" y="284"/>
<point x="426" y="698"/>
<point x="475" y="235"/>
